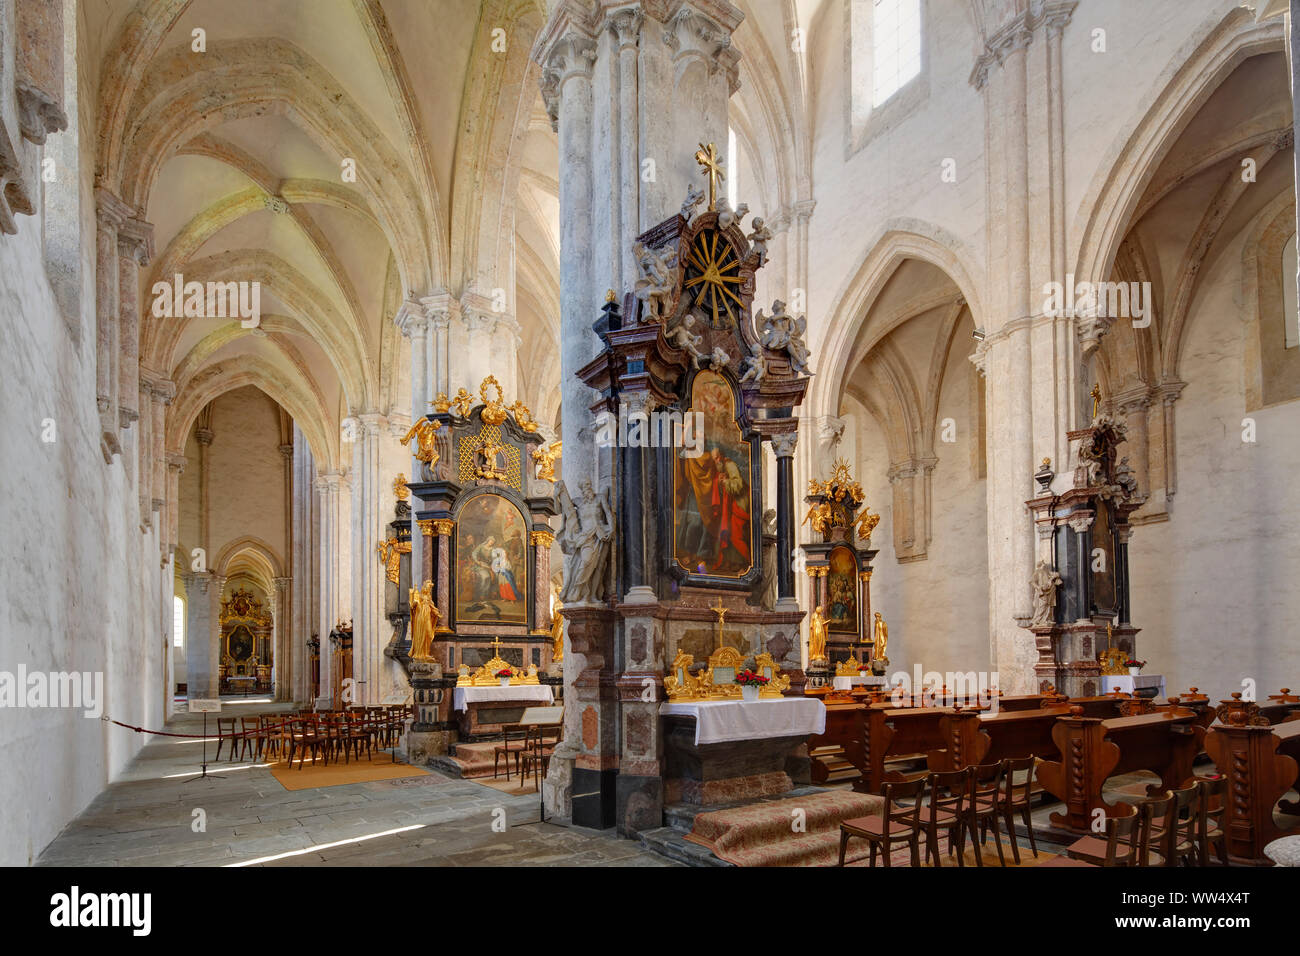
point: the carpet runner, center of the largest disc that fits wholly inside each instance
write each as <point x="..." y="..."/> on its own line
<point x="318" y="774"/>
<point x="764" y="834"/>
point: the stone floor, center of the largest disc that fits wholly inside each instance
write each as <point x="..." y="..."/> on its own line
<point x="147" y="818"/>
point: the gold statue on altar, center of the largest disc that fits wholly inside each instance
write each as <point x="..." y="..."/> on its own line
<point x="881" y="636"/>
<point x="557" y="630"/>
<point x="424" y="432"/>
<point x="424" y="618"/>
<point x="817" y="635"/>
<point x="546" y="458"/>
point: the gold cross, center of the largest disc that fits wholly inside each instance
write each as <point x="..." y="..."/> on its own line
<point x="496" y="647"/>
<point x="721" y="611"/>
<point x="707" y="156"/>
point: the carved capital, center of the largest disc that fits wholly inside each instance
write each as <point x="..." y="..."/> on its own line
<point x="784" y="444"/>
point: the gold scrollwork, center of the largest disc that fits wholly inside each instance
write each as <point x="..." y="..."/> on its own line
<point x="426" y="527"/>
<point x="443" y="527"/>
<point x="441" y="404"/>
<point x="494" y="410"/>
<point x="541" y="539"/>
<point x="777" y="682"/>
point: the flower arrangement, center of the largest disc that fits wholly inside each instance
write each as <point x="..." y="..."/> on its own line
<point x="748" y="678"/>
<point x="505" y="672"/>
<point x="1135" y="663"/>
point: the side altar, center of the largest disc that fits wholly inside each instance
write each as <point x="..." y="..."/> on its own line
<point x="484" y="604"/>
<point x="1081" y="612"/>
<point x="678" y="573"/>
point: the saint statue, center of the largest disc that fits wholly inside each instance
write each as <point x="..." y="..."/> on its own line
<point x="817" y="635"/>
<point x="424" y="618"/>
<point x="585" y="538"/>
<point x="557" y="632"/>
<point x="425" y="434"/>
<point x="1045" y="580"/>
<point x="881" y="636"/>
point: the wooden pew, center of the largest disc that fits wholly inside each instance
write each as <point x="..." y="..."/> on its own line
<point x="1094" y="749"/>
<point x="1260" y="763"/>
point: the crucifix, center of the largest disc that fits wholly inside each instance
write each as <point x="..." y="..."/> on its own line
<point x="721" y="611"/>
<point x="707" y="157"/>
<point x="496" y="647"/>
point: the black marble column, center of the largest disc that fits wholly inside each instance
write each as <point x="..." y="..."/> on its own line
<point x="633" y="507"/>
<point x="784" y="446"/>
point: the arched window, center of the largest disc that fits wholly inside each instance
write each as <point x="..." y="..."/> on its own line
<point x="895" y="46"/>
<point x="887" y="64"/>
<point x="178" y="621"/>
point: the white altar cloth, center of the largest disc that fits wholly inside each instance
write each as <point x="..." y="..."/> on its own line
<point x="720" y="721"/>
<point x="1129" y="684"/>
<point x="469" y="695"/>
<point x="861" y="680"/>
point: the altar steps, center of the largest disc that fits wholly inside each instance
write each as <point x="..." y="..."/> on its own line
<point x="761" y="832"/>
<point x="471" y="760"/>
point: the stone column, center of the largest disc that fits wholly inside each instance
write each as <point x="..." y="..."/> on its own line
<point x="134" y="249"/>
<point x="328" y="488"/>
<point x="638" y="85"/>
<point x="301" y="598"/>
<point x="282" y="659"/>
<point x="110" y="214"/>
<point x="367" y="573"/>
<point x="415" y="324"/>
<point x="493" y="345"/>
<point x="204" y="436"/>
<point x="197" y="629"/>
<point x="175" y="468"/>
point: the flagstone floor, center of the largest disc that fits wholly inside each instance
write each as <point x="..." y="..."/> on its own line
<point x="150" y="818"/>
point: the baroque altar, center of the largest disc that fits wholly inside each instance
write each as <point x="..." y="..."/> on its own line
<point x="482" y="502"/>
<point x="1080" y="583"/>
<point x="678" y="572"/>
<point x="838" y="564"/>
<point x="246" y="626"/>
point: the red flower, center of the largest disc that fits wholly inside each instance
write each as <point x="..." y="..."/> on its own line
<point x="505" y="673"/>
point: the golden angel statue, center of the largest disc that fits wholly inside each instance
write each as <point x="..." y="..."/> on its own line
<point x="424" y="432"/>
<point x="424" y="618"/>
<point x="817" y="635"/>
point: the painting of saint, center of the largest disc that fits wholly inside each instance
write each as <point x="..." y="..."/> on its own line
<point x="842" y="592"/>
<point x="491" y="569"/>
<point x="712" y="518"/>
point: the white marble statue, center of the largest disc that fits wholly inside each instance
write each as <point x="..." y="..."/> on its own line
<point x="585" y="539"/>
<point x="719" y="358"/>
<point x="755" y="369"/>
<point x="759" y="238"/>
<point x="767" y="585"/>
<point x="684" y="338"/>
<point x="727" y="216"/>
<point x="656" y="280"/>
<point x="693" y="198"/>
<point x="784" y="333"/>
<point x="1045" y="580"/>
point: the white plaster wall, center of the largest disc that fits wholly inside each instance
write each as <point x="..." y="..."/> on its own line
<point x="80" y="584"/>
<point x="936" y="609"/>
<point x="1214" y="588"/>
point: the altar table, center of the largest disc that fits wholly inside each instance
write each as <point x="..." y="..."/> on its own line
<point x="516" y="692"/>
<point x="862" y="680"/>
<point x="1132" y="685"/>
<point x="722" y="721"/>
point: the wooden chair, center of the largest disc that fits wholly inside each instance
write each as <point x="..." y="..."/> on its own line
<point x="226" y="731"/>
<point x="516" y="733"/>
<point x="304" y="735"/>
<point x="898" y="822"/>
<point x="536" y="754"/>
<point x="1209" y="824"/>
<point x="251" y="741"/>
<point x="946" y="810"/>
<point x="1184" y="847"/>
<point x="269" y="726"/>
<point x="984" y="807"/>
<point x="1159" y="816"/>
<point x="1018" y="797"/>
<point x="1119" y="848"/>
